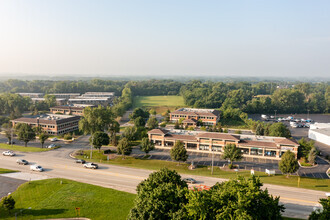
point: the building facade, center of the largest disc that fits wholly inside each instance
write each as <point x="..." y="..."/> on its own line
<point x="192" y="115"/>
<point x="69" y="110"/>
<point x="51" y="123"/>
<point x="320" y="132"/>
<point x="250" y="145"/>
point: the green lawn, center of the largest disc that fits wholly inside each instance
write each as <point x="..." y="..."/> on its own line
<point x="159" y="103"/>
<point x="308" y="183"/>
<point x="2" y="170"/>
<point x="53" y="199"/>
<point x="22" y="148"/>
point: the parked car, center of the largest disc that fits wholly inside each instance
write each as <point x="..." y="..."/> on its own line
<point x="80" y="161"/>
<point x="189" y="180"/>
<point x="22" y="162"/>
<point x="36" y="167"/>
<point x="52" y="146"/>
<point x="8" y="153"/>
<point x="91" y="165"/>
<point x="9" y="142"/>
<point x="53" y="139"/>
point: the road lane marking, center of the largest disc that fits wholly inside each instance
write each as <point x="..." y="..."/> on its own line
<point x="298" y="200"/>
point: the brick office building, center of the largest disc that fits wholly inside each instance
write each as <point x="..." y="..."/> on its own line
<point x="69" y="110"/>
<point x="190" y="116"/>
<point x="51" y="123"/>
<point x="250" y="145"/>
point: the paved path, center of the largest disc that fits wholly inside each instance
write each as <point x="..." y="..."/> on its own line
<point x="8" y="185"/>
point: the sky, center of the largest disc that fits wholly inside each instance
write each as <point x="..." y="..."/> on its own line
<point x="165" y="37"/>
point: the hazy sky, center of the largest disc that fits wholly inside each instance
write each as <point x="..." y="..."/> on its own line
<point x="225" y="38"/>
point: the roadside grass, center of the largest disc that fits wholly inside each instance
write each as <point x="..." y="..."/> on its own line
<point x="58" y="198"/>
<point x="23" y="149"/>
<point x="159" y="103"/>
<point x="2" y="170"/>
<point x="307" y="183"/>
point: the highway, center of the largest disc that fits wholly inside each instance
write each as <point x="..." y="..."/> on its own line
<point x="57" y="163"/>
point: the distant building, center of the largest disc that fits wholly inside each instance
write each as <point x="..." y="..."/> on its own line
<point x="51" y="123"/>
<point x="31" y="94"/>
<point x="320" y="132"/>
<point x="250" y="145"/>
<point x="65" y="95"/>
<point x="93" y="98"/>
<point x="98" y="94"/>
<point x="58" y="100"/>
<point x="69" y="110"/>
<point x="192" y="115"/>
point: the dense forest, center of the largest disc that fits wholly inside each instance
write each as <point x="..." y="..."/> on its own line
<point x="249" y="97"/>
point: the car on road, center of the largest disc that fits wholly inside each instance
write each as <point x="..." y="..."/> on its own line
<point x="189" y="180"/>
<point x="8" y="153"/>
<point x="53" y="139"/>
<point x="22" y="162"/>
<point x="9" y="142"/>
<point x="91" y="165"/>
<point x="36" y="167"/>
<point x="52" y="146"/>
<point x="80" y="161"/>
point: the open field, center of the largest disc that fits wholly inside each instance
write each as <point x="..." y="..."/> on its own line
<point x="308" y="183"/>
<point x="58" y="198"/>
<point x="159" y="103"/>
<point x="6" y="171"/>
<point x="22" y="148"/>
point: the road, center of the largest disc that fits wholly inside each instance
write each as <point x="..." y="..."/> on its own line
<point x="57" y="163"/>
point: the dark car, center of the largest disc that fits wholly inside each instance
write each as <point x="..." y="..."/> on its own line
<point x="22" y="162"/>
<point x="80" y="161"/>
<point x="9" y="142"/>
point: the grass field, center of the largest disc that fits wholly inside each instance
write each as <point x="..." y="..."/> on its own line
<point x="58" y="198"/>
<point x="159" y="103"/>
<point x="22" y="148"/>
<point x="308" y="183"/>
<point x="6" y="171"/>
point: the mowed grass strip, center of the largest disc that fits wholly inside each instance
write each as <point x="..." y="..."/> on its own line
<point x="22" y="148"/>
<point x="58" y="198"/>
<point x="156" y="101"/>
<point x="307" y="183"/>
<point x="2" y="170"/>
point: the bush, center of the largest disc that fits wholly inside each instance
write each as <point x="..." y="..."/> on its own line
<point x="238" y="132"/>
<point x="68" y="136"/>
<point x="231" y="166"/>
<point x="108" y="151"/>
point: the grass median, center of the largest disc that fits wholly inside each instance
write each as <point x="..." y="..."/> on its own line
<point x="22" y="148"/>
<point x="307" y="183"/>
<point x="2" y="170"/>
<point x="59" y="198"/>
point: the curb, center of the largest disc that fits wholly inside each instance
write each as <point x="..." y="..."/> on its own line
<point x="308" y="167"/>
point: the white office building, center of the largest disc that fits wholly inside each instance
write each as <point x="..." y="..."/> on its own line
<point x="320" y="132"/>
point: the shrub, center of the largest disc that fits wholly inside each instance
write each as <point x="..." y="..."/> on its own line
<point x="67" y="136"/>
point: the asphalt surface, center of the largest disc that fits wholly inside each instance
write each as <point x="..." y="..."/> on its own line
<point x="9" y="185"/>
<point x="57" y="163"/>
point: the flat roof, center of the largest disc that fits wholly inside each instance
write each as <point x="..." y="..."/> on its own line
<point x="47" y="119"/>
<point x="324" y="131"/>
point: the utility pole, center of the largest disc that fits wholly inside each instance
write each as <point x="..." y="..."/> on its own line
<point x="307" y="113"/>
<point x="91" y="147"/>
<point x="12" y="136"/>
<point x="275" y="114"/>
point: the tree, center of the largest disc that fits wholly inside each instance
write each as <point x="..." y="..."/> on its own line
<point x="95" y="119"/>
<point x="113" y="128"/>
<point x="124" y="147"/>
<point x="305" y="147"/>
<point x="146" y="146"/>
<point x="25" y="133"/>
<point x="177" y="125"/>
<point x="288" y="163"/>
<point x="50" y="100"/>
<point x="232" y="153"/>
<point x="239" y="198"/>
<point x="139" y="112"/>
<point x="139" y="122"/>
<point x="279" y="130"/>
<point x="130" y="133"/>
<point x="38" y="130"/>
<point x="42" y="138"/>
<point x="8" y="131"/>
<point x="99" y="139"/>
<point x="260" y="129"/>
<point x="8" y="203"/>
<point x="312" y="155"/>
<point x="152" y="112"/>
<point x="152" y="123"/>
<point x="323" y="214"/>
<point x="160" y="196"/>
<point x="178" y="152"/>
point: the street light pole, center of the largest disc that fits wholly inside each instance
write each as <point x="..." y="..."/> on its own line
<point x="91" y="148"/>
<point x="275" y="114"/>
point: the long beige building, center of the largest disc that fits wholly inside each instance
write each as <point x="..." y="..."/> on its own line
<point x="250" y="145"/>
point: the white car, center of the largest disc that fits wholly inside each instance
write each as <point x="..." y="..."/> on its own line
<point x="53" y="139"/>
<point x="36" y="167"/>
<point x="91" y="165"/>
<point x="8" y="153"/>
<point x="52" y="146"/>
